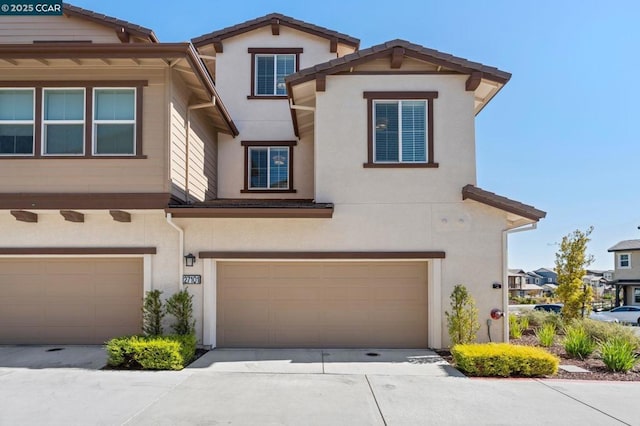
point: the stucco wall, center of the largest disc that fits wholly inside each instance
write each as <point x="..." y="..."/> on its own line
<point x="632" y="273"/>
<point x="262" y="119"/>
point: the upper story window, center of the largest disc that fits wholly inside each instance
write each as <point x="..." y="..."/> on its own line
<point x="400" y="129"/>
<point x="624" y="260"/>
<point x="114" y="121"/>
<point x="269" y="67"/>
<point x="63" y="121"/>
<point x="16" y="121"/>
<point x="268" y="166"/>
<point x="66" y="119"/>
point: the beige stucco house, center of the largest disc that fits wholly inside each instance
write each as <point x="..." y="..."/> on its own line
<point x="327" y="192"/>
<point x="626" y="275"/>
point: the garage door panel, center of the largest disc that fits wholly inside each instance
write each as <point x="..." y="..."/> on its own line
<point x="322" y="304"/>
<point x="58" y="301"/>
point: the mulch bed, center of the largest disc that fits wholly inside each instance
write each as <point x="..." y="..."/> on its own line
<point x="598" y="370"/>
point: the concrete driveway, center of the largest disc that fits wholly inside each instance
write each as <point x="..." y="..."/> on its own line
<point x="337" y="387"/>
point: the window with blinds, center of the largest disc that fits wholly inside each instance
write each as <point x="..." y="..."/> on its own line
<point x="114" y="121"/>
<point x="63" y="121"/>
<point x="269" y="167"/>
<point x="16" y="121"/>
<point x="400" y="131"/>
<point x="270" y="72"/>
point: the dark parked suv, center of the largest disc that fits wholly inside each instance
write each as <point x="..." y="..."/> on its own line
<point x="549" y="307"/>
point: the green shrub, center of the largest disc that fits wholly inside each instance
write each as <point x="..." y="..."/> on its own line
<point x="503" y="359"/>
<point x="577" y="342"/>
<point x="618" y="354"/>
<point x="524" y="322"/>
<point x="180" y="305"/>
<point x="603" y="331"/>
<point x="152" y="313"/>
<point x="462" y="322"/>
<point x="151" y="352"/>
<point x="515" y="327"/>
<point x="546" y="334"/>
<point x="538" y="318"/>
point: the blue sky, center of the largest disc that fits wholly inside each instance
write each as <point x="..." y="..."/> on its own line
<point x="562" y="135"/>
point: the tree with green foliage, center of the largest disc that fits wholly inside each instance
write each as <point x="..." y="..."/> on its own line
<point x="180" y="305"/>
<point x="571" y="263"/>
<point x="462" y="322"/>
<point x="152" y="313"/>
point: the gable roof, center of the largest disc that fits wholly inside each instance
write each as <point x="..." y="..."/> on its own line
<point x="546" y="270"/>
<point x="118" y="25"/>
<point x="275" y="19"/>
<point x="626" y="245"/>
<point x="416" y="51"/>
<point x="503" y="203"/>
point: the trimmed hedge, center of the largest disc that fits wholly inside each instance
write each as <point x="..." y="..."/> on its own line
<point x="172" y="352"/>
<point x="504" y="359"/>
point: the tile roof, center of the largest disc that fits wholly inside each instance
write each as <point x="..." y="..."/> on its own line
<point x="502" y="203"/>
<point x="267" y="20"/>
<point x="626" y="245"/>
<point x="69" y="9"/>
<point x="345" y="62"/>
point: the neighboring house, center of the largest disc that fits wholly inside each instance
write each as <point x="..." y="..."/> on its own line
<point x="549" y="275"/>
<point x="328" y="194"/>
<point x="520" y="285"/>
<point x="533" y="278"/>
<point x="549" y="290"/>
<point x="626" y="276"/>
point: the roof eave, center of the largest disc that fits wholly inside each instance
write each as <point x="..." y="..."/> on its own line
<point x="502" y="203"/>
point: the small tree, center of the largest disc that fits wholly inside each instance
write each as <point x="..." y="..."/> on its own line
<point x="180" y="305"/>
<point x="152" y="313"/>
<point x="571" y="262"/>
<point x="462" y="322"/>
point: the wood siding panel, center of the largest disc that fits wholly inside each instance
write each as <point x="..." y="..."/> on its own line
<point x="202" y="149"/>
<point x="96" y="175"/>
<point x="26" y="29"/>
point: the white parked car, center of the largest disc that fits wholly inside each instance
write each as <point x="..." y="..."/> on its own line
<point x="603" y="316"/>
<point x="629" y="314"/>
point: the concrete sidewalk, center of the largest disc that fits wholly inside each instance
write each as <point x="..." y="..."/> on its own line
<point x="205" y="394"/>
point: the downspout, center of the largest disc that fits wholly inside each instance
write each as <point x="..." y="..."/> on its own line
<point x="505" y="272"/>
<point x="181" y="245"/>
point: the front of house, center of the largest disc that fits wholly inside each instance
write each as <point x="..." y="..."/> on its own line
<point x="626" y="276"/>
<point x="327" y="192"/>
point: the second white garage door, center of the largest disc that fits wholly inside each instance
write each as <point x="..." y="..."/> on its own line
<point x="322" y="304"/>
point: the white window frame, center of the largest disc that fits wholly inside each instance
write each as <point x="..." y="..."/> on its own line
<point x="426" y="130"/>
<point x="619" y="263"/>
<point x="275" y="72"/>
<point x="95" y="122"/>
<point x="43" y="143"/>
<point x="23" y="122"/>
<point x="267" y="188"/>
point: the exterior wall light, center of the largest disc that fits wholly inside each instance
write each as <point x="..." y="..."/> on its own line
<point x="189" y="260"/>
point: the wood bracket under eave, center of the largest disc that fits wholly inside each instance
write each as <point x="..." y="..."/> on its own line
<point x="275" y="26"/>
<point x="473" y="81"/>
<point x="333" y="45"/>
<point x="72" y="216"/>
<point x="321" y="83"/>
<point x="397" y="54"/>
<point x="25" y="216"/>
<point x="123" y="35"/>
<point x="120" y="215"/>
<point x="217" y="45"/>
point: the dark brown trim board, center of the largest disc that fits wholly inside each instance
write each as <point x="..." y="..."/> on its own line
<point x="429" y="97"/>
<point x="301" y="255"/>
<point x="246" y="145"/>
<point x="76" y="250"/>
<point x="84" y="201"/>
<point x="502" y="203"/>
<point x="252" y="213"/>
<point x="270" y="51"/>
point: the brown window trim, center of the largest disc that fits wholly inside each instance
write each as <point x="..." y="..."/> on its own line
<point x="246" y="145"/>
<point x="88" y="85"/>
<point x="429" y="97"/>
<point x="270" y="51"/>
